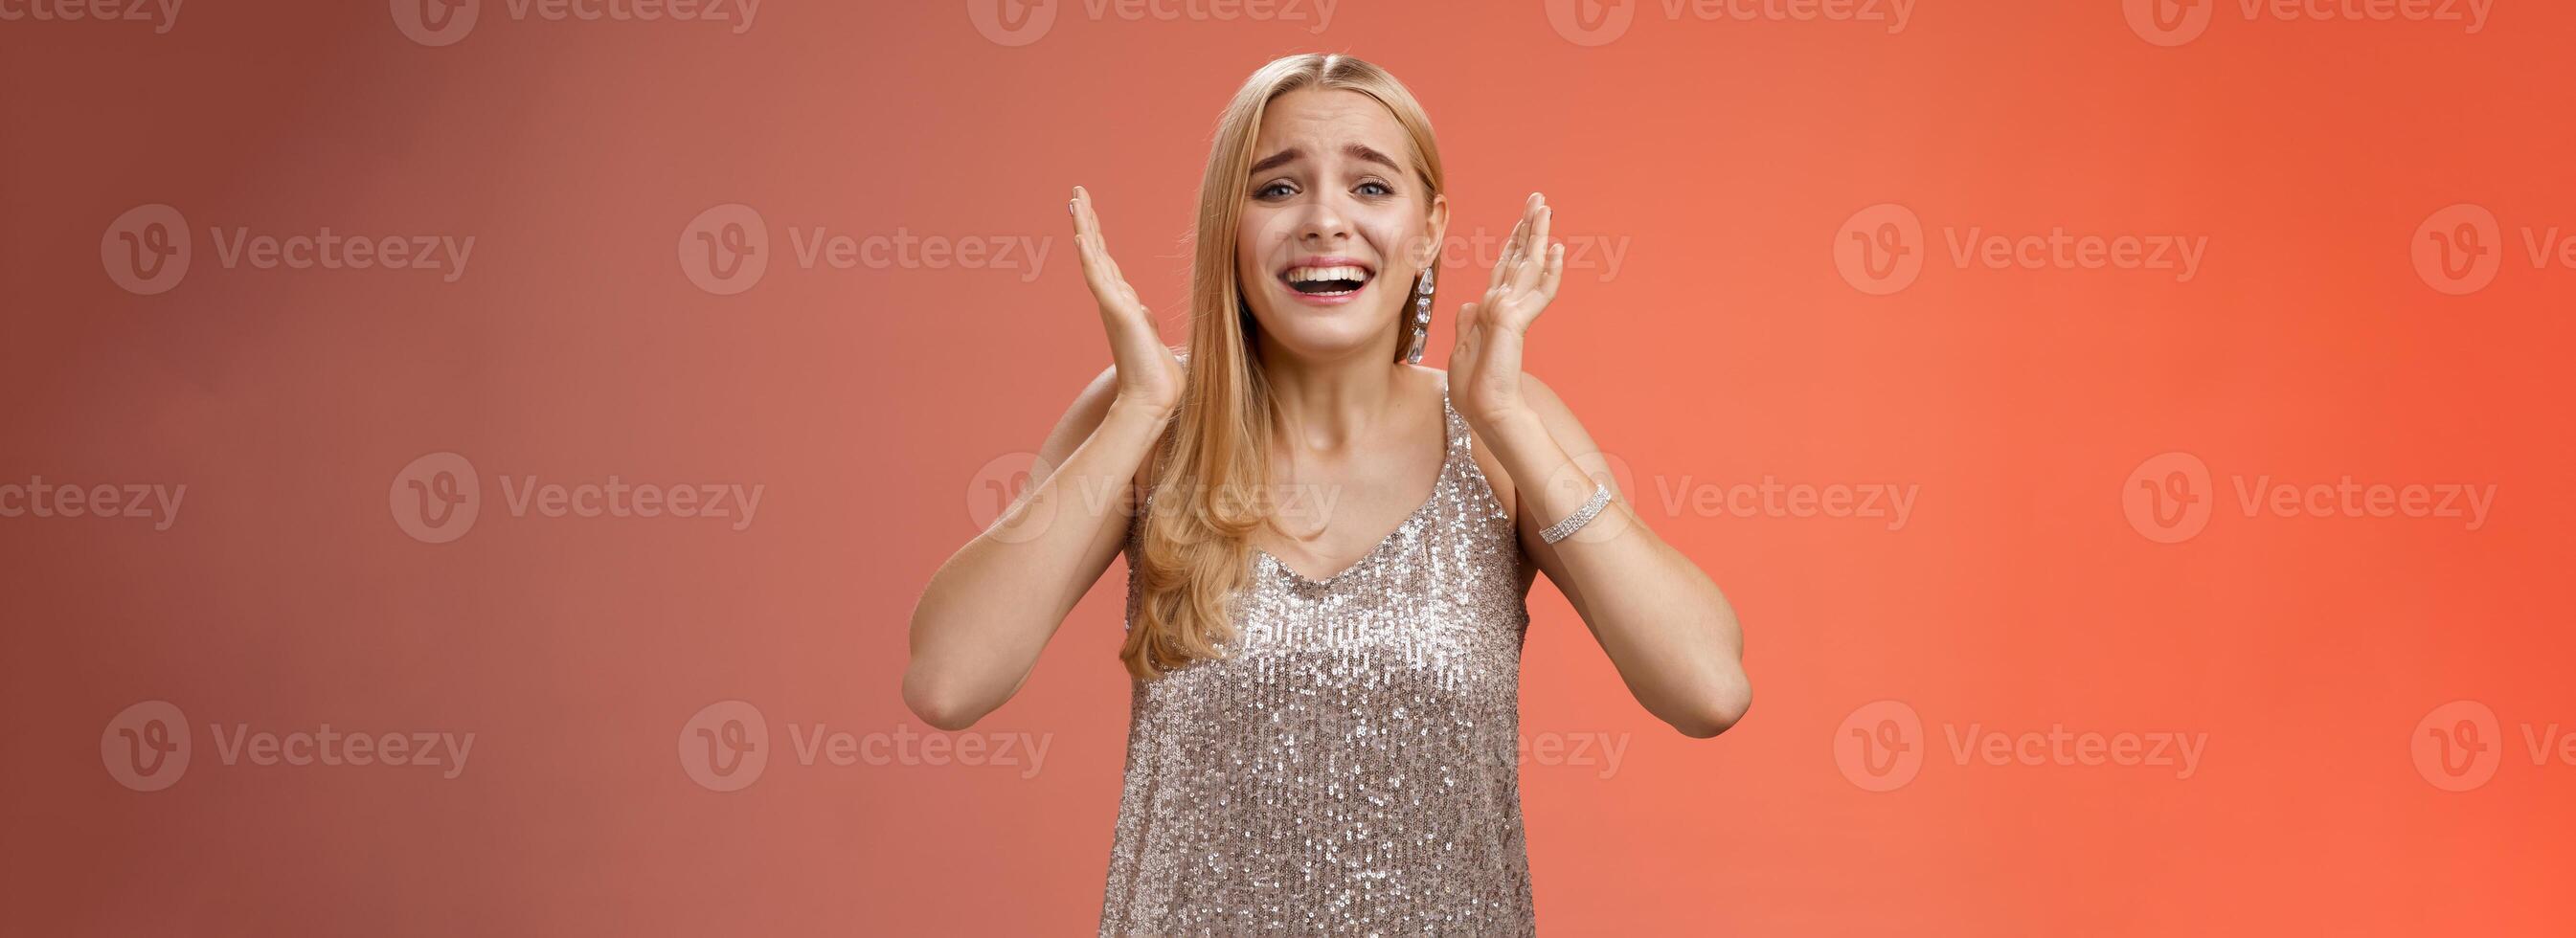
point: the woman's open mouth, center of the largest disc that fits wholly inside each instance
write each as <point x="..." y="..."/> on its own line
<point x="1326" y="279"/>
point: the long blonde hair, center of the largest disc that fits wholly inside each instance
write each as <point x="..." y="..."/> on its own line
<point x="1197" y="543"/>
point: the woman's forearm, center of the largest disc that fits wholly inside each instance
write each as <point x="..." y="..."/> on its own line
<point x="1668" y="629"/>
<point x="989" y="611"/>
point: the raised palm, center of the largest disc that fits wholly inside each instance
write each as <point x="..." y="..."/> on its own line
<point x="1149" y="376"/>
<point x="1485" y="365"/>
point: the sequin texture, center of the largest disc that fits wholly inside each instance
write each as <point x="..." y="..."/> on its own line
<point x="1351" y="766"/>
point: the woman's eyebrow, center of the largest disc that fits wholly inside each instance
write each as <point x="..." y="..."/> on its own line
<point x="1357" y="151"/>
<point x="1279" y="159"/>
<point x="1363" y="153"/>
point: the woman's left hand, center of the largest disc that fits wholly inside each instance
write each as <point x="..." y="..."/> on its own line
<point x="1485" y="365"/>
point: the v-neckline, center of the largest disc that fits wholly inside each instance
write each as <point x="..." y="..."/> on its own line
<point x="1448" y="453"/>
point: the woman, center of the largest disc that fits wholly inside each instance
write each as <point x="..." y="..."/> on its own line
<point x="1325" y="658"/>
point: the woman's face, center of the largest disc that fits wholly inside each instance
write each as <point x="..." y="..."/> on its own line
<point x="1335" y="227"/>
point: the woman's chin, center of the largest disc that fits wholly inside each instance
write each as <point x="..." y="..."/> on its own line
<point x="1310" y="332"/>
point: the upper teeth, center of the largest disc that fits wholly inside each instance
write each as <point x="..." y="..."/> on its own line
<point x="1305" y="274"/>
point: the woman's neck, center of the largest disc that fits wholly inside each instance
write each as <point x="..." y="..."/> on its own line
<point x="1326" y="405"/>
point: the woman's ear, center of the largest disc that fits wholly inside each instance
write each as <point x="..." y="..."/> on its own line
<point x="1439" y="231"/>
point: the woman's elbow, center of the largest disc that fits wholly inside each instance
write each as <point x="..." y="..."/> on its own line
<point x="938" y="704"/>
<point x="1714" y="712"/>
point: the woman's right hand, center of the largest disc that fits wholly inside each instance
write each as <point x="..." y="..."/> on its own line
<point x="1149" y="376"/>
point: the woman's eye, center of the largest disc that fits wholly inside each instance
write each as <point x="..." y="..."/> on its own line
<point x="1276" y="190"/>
<point x="1375" y="189"/>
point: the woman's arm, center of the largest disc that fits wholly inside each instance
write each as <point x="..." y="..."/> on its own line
<point x="990" y="610"/>
<point x="1670" y="632"/>
<point x="1666" y="627"/>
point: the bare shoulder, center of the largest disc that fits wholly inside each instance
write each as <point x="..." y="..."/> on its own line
<point x="1552" y="412"/>
<point x="1491" y="465"/>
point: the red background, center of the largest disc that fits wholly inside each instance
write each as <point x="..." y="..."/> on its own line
<point x="1723" y="154"/>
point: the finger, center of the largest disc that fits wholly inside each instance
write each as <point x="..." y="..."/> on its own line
<point x="1526" y="249"/>
<point x="1108" y="283"/>
<point x="1535" y="253"/>
<point x="1462" y="346"/>
<point x="1529" y="220"/>
<point x="1503" y="261"/>
<point x="1555" y="272"/>
<point x="1086" y="242"/>
<point x="1091" y="223"/>
<point x="1085" y="226"/>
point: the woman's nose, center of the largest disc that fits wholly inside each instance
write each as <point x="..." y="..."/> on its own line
<point x="1323" y="220"/>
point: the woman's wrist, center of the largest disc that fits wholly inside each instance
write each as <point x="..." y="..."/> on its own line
<point x="1134" y="411"/>
<point x="1515" y="425"/>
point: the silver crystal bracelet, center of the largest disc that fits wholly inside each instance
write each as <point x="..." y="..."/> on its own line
<point x="1582" y="516"/>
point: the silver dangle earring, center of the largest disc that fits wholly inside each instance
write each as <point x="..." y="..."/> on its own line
<point x="1421" y="319"/>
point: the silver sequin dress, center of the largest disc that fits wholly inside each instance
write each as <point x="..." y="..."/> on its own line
<point x="1352" y="766"/>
